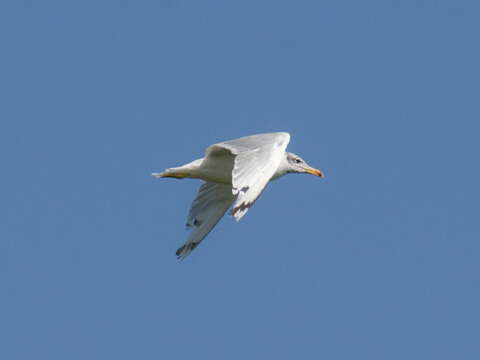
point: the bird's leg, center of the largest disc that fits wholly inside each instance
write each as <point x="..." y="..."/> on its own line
<point x="171" y="174"/>
<point x="189" y="170"/>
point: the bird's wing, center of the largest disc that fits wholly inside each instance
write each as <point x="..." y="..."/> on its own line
<point x="251" y="142"/>
<point x="207" y="209"/>
<point x="257" y="157"/>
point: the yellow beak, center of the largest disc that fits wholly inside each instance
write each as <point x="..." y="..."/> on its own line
<point x="315" y="172"/>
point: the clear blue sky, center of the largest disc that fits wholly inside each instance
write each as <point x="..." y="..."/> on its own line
<point x="381" y="260"/>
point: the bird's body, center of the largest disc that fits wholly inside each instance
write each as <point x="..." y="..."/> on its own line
<point x="217" y="170"/>
<point x="237" y="172"/>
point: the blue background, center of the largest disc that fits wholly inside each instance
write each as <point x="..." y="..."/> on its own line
<point x="378" y="261"/>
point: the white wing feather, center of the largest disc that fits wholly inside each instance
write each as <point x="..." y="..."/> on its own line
<point x="251" y="142"/>
<point x="210" y="204"/>
<point x="257" y="158"/>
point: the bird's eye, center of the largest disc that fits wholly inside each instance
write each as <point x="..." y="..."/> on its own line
<point x="298" y="161"/>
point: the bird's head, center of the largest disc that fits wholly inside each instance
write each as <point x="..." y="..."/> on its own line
<point x="295" y="164"/>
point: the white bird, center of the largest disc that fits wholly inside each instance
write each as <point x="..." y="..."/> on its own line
<point x="237" y="172"/>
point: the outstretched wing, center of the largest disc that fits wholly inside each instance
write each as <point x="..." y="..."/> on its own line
<point x="257" y="157"/>
<point x="207" y="209"/>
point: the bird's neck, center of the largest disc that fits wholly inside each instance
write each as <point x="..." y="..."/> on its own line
<point x="281" y="170"/>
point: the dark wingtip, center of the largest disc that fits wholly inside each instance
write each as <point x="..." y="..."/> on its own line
<point x="188" y="248"/>
<point x="241" y="207"/>
<point x="179" y="250"/>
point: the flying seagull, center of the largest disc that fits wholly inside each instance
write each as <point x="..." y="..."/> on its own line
<point x="237" y="172"/>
